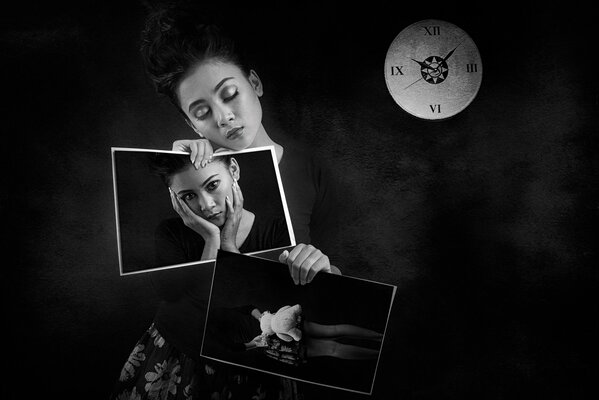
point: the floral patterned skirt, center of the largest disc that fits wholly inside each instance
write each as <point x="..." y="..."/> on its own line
<point x="155" y="370"/>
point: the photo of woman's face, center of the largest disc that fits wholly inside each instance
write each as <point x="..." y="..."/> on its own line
<point x="222" y="104"/>
<point x="204" y="190"/>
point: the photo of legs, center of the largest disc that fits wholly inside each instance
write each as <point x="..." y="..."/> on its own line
<point x="322" y="333"/>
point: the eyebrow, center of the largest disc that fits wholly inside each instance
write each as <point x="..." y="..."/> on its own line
<point x="182" y="192"/>
<point x="218" y="85"/>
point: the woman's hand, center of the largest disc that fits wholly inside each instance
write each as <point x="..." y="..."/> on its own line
<point x="228" y="233"/>
<point x="256" y="314"/>
<point x="258" y="341"/>
<point x="209" y="232"/>
<point x="200" y="149"/>
<point x="304" y="262"/>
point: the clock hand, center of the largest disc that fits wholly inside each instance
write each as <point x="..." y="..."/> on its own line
<point x="451" y="52"/>
<point x="412" y="83"/>
<point x="422" y="63"/>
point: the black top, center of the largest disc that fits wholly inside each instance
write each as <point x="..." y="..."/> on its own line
<point x="311" y="196"/>
<point x="185" y="290"/>
<point x="178" y="244"/>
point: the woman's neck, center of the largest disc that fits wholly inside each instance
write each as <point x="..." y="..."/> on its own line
<point x="262" y="139"/>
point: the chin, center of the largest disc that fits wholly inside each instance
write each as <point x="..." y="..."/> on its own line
<point x="245" y="142"/>
<point x="219" y="223"/>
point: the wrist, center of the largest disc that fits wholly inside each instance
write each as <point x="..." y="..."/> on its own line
<point x="212" y="241"/>
<point x="230" y="247"/>
<point x="209" y="235"/>
<point x="211" y="247"/>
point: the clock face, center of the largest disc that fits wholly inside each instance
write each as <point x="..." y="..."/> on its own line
<point x="433" y="69"/>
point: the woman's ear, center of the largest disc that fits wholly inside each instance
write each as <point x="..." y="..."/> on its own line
<point x="256" y="83"/>
<point x="234" y="169"/>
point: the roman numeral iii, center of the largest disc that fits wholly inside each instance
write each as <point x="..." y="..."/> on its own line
<point x="471" y="68"/>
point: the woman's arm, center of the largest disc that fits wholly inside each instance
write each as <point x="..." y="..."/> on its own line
<point x="207" y="230"/>
<point x="256" y="314"/>
<point x="258" y="341"/>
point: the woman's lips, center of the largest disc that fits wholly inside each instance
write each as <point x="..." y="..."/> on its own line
<point x="234" y="133"/>
<point x="214" y="215"/>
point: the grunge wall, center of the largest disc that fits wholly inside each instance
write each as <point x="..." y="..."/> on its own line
<point x="483" y="221"/>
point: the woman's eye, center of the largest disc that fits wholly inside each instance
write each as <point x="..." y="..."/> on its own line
<point x="230" y="93"/>
<point x="188" y="196"/>
<point x="201" y="113"/>
<point x="212" y="185"/>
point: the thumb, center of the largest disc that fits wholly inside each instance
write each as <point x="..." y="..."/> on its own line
<point x="181" y="145"/>
<point x="283" y="256"/>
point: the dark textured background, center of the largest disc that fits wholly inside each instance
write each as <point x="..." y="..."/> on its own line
<point x="484" y="221"/>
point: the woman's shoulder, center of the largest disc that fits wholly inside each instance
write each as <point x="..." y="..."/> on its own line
<point x="269" y="231"/>
<point x="299" y="158"/>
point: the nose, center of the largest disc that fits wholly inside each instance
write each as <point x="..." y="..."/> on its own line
<point x="206" y="203"/>
<point x="225" y="116"/>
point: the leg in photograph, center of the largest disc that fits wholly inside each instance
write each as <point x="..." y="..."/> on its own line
<point x="314" y="329"/>
<point x="330" y="348"/>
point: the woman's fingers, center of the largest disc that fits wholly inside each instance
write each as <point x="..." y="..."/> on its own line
<point x="183" y="209"/>
<point x="296" y="258"/>
<point x="283" y="257"/>
<point x="188" y="213"/>
<point x="304" y="262"/>
<point x="193" y="148"/>
<point x="237" y="196"/>
<point x="289" y="261"/>
<point x="175" y="202"/>
<point x="200" y="150"/>
<point x="230" y="209"/>
<point x="311" y="264"/>
<point x="322" y="264"/>
<point x="181" y="145"/>
<point x="208" y="151"/>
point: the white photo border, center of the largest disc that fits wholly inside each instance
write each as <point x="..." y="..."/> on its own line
<point x="270" y="148"/>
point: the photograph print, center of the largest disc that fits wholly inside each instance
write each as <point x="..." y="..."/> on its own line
<point x="329" y="332"/>
<point x="170" y="213"/>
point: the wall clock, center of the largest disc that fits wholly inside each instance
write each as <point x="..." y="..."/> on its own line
<point x="433" y="69"/>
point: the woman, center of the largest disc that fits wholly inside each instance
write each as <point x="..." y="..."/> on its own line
<point x="209" y="202"/>
<point x="200" y="70"/>
<point x="166" y="360"/>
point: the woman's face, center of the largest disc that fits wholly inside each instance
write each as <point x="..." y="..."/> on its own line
<point x="222" y="103"/>
<point x="204" y="189"/>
